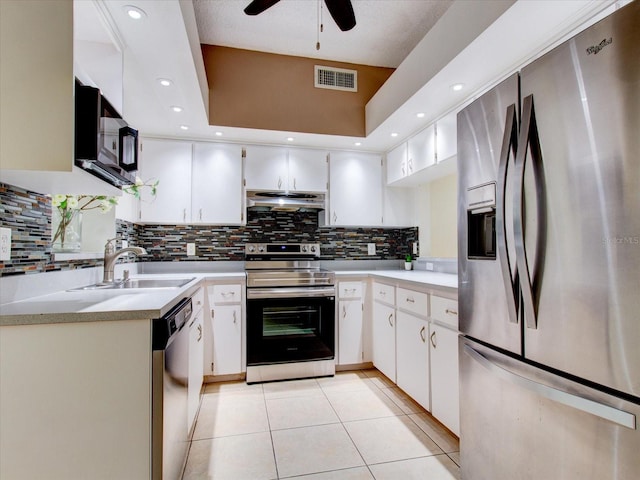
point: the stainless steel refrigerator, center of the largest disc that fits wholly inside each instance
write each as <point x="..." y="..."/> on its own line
<point x="549" y="264"/>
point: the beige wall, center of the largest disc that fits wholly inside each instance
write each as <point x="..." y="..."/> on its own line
<point x="276" y="92"/>
<point x="437" y="217"/>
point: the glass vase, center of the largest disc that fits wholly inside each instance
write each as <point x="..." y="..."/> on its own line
<point x="66" y="228"/>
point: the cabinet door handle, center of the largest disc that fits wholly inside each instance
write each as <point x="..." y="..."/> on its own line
<point x="383" y="293"/>
<point x="279" y="183"/>
<point x="410" y="300"/>
<point x="184" y="214"/>
<point x="390" y="317"/>
<point x="335" y="217"/>
<point x="200" y="214"/>
<point x="410" y="165"/>
<point x="199" y="332"/>
<point x="344" y="311"/>
<point x="294" y="184"/>
<point x="403" y="172"/>
<point x="234" y="317"/>
<point x="451" y="312"/>
<point x="227" y="294"/>
<point x="433" y="339"/>
<point x="422" y="335"/>
<point x="213" y="313"/>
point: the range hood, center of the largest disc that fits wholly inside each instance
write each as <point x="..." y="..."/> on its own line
<point x="281" y="201"/>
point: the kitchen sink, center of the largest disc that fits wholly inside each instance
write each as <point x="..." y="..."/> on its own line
<point x="137" y="283"/>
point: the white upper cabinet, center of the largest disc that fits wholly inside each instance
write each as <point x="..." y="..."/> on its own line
<point x="397" y="163"/>
<point x="421" y="150"/>
<point x="355" y="197"/>
<point x="447" y="136"/>
<point x="307" y="170"/>
<point x="169" y="162"/>
<point x="217" y="184"/>
<point x="286" y="169"/>
<point x="266" y="168"/>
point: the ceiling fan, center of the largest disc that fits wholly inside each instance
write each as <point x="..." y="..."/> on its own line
<point x="340" y="10"/>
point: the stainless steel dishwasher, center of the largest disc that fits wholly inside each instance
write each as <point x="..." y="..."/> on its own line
<point x="169" y="429"/>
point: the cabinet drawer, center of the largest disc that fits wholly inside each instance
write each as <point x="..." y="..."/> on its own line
<point x="197" y="300"/>
<point x="384" y="293"/>
<point x="414" y="302"/>
<point x="225" y="293"/>
<point x="350" y="289"/>
<point x="445" y="311"/>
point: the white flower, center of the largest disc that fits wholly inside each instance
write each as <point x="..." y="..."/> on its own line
<point x="57" y="199"/>
<point x="139" y="182"/>
<point x="105" y="206"/>
<point x="72" y="202"/>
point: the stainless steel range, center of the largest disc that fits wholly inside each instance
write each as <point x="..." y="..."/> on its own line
<point x="290" y="312"/>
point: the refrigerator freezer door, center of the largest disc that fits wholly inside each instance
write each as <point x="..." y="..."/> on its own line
<point x="487" y="300"/>
<point x="586" y="99"/>
<point x="521" y="422"/>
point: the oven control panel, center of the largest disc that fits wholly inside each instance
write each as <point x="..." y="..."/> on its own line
<point x="282" y="250"/>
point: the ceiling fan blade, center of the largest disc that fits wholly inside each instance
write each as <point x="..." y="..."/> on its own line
<point x="259" y="6"/>
<point x="342" y="13"/>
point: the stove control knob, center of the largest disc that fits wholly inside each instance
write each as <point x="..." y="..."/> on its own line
<point x="304" y="248"/>
<point x="261" y="248"/>
<point x="313" y="248"/>
<point x="252" y="248"/>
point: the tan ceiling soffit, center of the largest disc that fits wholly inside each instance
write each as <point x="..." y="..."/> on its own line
<point x="250" y="89"/>
<point x="461" y="24"/>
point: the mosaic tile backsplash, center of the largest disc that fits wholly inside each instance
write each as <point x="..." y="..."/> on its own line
<point x="28" y="214"/>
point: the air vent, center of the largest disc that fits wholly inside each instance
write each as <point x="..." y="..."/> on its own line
<point x="336" y="78"/>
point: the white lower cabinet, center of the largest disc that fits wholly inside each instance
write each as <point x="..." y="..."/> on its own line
<point x="384" y="339"/>
<point x="227" y="342"/>
<point x="196" y="367"/>
<point x="227" y="339"/>
<point x="413" y="356"/>
<point x="444" y="377"/>
<point x="350" y="332"/>
<point x="350" y="323"/>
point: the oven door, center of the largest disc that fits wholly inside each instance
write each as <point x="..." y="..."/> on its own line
<point x="290" y="325"/>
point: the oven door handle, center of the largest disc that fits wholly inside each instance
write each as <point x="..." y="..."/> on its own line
<point x="303" y="292"/>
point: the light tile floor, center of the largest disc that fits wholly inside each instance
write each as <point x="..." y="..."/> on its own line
<point x="355" y="426"/>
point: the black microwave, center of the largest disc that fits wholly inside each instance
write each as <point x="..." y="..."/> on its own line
<point x="105" y="145"/>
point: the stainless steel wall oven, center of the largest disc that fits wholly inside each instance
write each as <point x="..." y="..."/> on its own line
<point x="290" y="313"/>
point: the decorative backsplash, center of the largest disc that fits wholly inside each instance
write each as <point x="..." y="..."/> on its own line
<point x="28" y="215"/>
<point x="167" y="243"/>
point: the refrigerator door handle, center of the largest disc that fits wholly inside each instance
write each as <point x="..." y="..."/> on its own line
<point x="529" y="140"/>
<point x="509" y="144"/>
<point x="601" y="410"/>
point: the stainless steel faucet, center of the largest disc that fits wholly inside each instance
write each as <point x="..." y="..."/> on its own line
<point x="111" y="255"/>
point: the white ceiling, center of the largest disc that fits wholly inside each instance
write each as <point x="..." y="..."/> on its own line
<point x="385" y="32"/>
<point x="165" y="43"/>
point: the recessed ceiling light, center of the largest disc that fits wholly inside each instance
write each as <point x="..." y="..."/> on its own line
<point x="165" y="82"/>
<point x="420" y="115"/>
<point x="176" y="108"/>
<point x="218" y="134"/>
<point x="289" y="139"/>
<point x="184" y="127"/>
<point x="134" y="12"/>
<point x="357" y="144"/>
<point x="394" y="134"/>
<point x="457" y="87"/>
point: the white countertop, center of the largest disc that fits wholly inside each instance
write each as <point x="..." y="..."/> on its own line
<point x="443" y="281"/>
<point x="135" y="304"/>
<point x="104" y="305"/>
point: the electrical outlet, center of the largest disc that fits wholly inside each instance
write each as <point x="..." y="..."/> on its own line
<point x="125" y="243"/>
<point x="371" y="248"/>
<point x="430" y="266"/>
<point x="5" y="244"/>
<point x="191" y="249"/>
<point x="415" y="248"/>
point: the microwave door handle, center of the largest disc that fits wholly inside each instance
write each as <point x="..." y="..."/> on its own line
<point x="529" y="278"/>
<point x="509" y="145"/>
